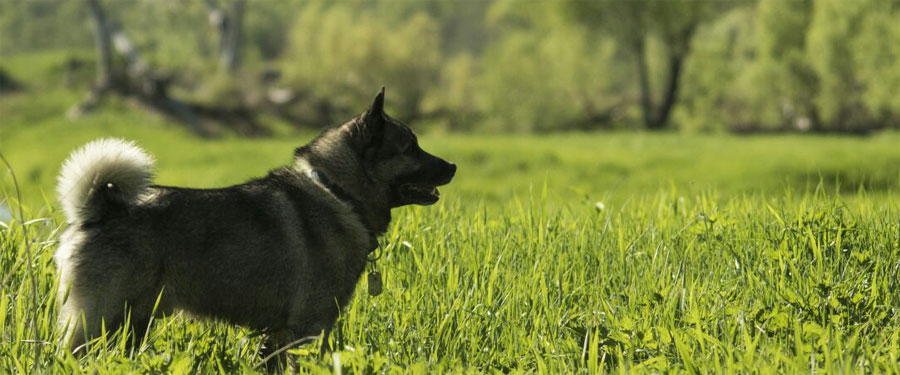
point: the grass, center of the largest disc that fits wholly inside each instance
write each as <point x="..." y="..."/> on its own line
<point x="660" y="283"/>
<point x="575" y="253"/>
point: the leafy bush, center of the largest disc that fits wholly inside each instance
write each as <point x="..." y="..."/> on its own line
<point x="344" y="54"/>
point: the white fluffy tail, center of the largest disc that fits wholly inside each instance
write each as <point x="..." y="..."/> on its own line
<point x="105" y="171"/>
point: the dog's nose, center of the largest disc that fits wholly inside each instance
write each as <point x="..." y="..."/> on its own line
<point x="452" y="169"/>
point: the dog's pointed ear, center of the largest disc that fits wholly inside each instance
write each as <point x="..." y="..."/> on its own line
<point x="370" y="128"/>
<point x="375" y="113"/>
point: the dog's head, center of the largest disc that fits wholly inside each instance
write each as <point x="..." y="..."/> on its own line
<point x="391" y="156"/>
<point x="377" y="159"/>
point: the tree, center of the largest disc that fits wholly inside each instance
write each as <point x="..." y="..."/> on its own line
<point x="852" y="48"/>
<point x="149" y="87"/>
<point x="338" y="52"/>
<point x="228" y="25"/>
<point x="778" y="85"/>
<point x="876" y="50"/>
<point x="633" y="23"/>
<point x="542" y="73"/>
<point x="103" y="45"/>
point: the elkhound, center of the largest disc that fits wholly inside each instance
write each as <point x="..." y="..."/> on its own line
<point x="281" y="253"/>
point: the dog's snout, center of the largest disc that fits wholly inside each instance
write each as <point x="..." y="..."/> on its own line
<point x="450" y="172"/>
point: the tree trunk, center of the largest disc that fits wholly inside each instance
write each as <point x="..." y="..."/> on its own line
<point x="657" y="118"/>
<point x="136" y="66"/>
<point x="141" y="82"/>
<point x="103" y="44"/>
<point x="229" y="29"/>
<point x="104" y="80"/>
<point x="640" y="55"/>
<point x="231" y="58"/>
<point x="671" y="94"/>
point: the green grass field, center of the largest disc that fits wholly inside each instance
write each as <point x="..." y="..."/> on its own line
<point x="557" y="254"/>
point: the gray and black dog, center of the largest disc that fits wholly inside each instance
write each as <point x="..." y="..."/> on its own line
<point x="281" y="254"/>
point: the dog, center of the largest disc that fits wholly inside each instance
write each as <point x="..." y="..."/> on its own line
<point x="281" y="254"/>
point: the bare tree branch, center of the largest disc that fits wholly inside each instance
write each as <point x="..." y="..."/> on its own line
<point x="229" y="29"/>
<point x="102" y="42"/>
<point x="231" y="58"/>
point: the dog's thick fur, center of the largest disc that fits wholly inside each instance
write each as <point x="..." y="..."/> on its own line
<point x="281" y="253"/>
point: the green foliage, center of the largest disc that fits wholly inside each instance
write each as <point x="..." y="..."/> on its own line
<point x="712" y="95"/>
<point x="781" y="70"/>
<point x="543" y="74"/>
<point x="749" y="70"/>
<point x="631" y="21"/>
<point x="513" y="92"/>
<point x="266" y="24"/>
<point x="452" y="100"/>
<point x="839" y="101"/>
<point x="43" y="24"/>
<point x="344" y="54"/>
<point x="514" y="66"/>
<point x="849" y="46"/>
<point x="169" y="34"/>
<point x="819" y="65"/>
<point x="779" y="84"/>
<point x="875" y="59"/>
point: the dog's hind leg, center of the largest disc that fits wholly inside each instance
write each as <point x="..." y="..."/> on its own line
<point x="98" y="303"/>
<point x="274" y="352"/>
<point x="147" y="305"/>
<point x="87" y="312"/>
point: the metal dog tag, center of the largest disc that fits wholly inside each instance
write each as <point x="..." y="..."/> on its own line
<point x="374" y="283"/>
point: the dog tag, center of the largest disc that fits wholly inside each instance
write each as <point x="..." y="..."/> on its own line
<point x="374" y="283"/>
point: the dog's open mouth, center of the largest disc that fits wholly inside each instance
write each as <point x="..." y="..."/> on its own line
<point x="420" y="193"/>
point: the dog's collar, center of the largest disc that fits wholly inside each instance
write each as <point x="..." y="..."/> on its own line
<point x="319" y="177"/>
<point x="303" y="168"/>
<point x="329" y="185"/>
<point x="343" y="196"/>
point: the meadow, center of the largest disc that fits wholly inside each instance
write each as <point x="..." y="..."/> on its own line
<point x="575" y="253"/>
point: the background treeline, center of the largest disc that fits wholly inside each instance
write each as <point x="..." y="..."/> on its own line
<point x="518" y="66"/>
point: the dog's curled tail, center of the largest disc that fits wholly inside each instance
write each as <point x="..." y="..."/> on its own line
<point x="101" y="175"/>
